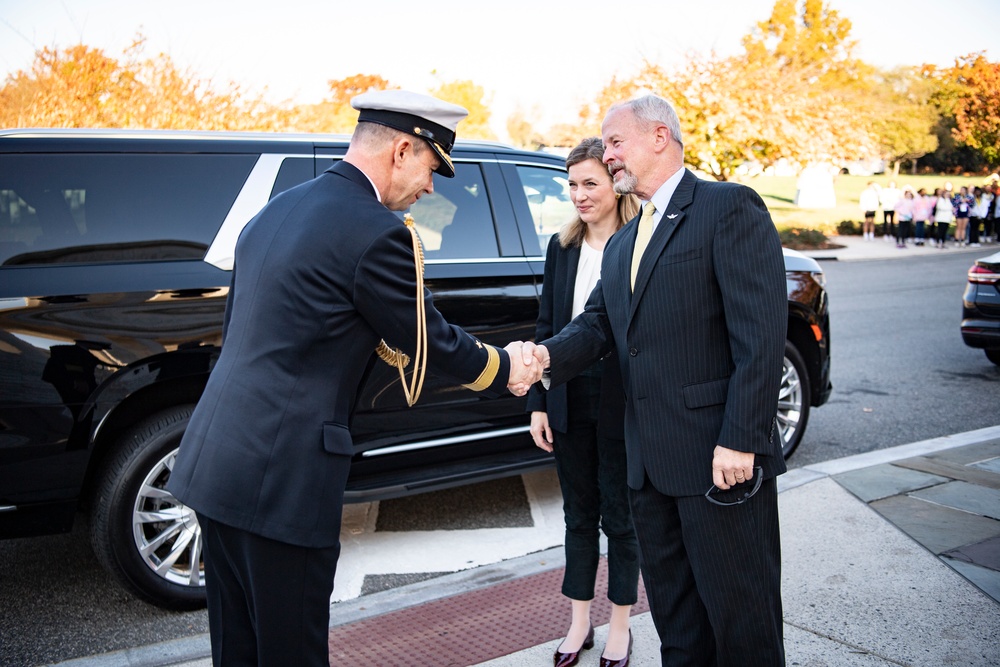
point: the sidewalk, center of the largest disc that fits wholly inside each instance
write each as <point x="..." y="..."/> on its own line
<point x="889" y="558"/>
<point x="857" y="248"/>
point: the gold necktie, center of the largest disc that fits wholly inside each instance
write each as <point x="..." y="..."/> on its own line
<point x="642" y="238"/>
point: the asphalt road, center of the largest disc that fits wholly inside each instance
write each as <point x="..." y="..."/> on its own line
<point x="900" y="374"/>
<point x="900" y="371"/>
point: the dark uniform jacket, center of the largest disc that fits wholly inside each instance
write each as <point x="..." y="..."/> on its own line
<point x="700" y="341"/>
<point x="322" y="273"/>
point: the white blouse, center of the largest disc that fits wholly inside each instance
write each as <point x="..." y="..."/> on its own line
<point x="588" y="272"/>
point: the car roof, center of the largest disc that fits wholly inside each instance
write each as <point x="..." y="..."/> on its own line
<point x="74" y="139"/>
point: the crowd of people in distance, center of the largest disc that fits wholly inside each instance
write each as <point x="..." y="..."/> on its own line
<point x="919" y="217"/>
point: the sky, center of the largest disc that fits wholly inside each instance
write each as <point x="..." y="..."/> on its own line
<point x="544" y="57"/>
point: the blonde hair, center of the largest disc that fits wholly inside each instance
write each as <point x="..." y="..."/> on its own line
<point x="573" y="232"/>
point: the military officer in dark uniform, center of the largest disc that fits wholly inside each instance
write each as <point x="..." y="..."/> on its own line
<point x="322" y="274"/>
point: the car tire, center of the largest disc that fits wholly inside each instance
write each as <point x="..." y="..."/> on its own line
<point x="793" y="400"/>
<point x="141" y="534"/>
<point x="994" y="356"/>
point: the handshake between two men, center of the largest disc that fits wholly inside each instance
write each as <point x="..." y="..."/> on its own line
<point x="527" y="363"/>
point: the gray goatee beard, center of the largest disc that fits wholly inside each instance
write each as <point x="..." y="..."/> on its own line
<point x="626" y="184"/>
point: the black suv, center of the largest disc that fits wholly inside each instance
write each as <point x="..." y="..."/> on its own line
<point x="981" y="307"/>
<point x="115" y="251"/>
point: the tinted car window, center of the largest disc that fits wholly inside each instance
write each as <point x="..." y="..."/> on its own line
<point x="114" y="208"/>
<point x="456" y="220"/>
<point x="547" y="192"/>
<point x="293" y="171"/>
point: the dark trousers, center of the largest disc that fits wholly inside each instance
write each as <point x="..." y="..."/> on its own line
<point x="974" y="224"/>
<point x="592" y="475"/>
<point x="268" y="602"/>
<point x="903" y="232"/>
<point x="712" y="576"/>
<point x="942" y="232"/>
<point x="888" y="223"/>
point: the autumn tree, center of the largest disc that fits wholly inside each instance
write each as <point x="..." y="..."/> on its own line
<point x="590" y="116"/>
<point x="522" y="131"/>
<point x="81" y="86"/>
<point x="793" y="94"/>
<point x="903" y="116"/>
<point x="977" y="107"/>
<point x="335" y="114"/>
<point x="473" y="97"/>
<point x="77" y="87"/>
<point x="617" y="90"/>
<point x="809" y="39"/>
<point x="805" y="86"/>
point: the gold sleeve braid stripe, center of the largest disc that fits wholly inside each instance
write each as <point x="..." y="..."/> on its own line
<point x="489" y="373"/>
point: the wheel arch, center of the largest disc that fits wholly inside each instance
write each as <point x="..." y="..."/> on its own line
<point x="800" y="334"/>
<point x="138" y="391"/>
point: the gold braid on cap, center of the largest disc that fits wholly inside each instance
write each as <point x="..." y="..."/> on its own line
<point x="398" y="358"/>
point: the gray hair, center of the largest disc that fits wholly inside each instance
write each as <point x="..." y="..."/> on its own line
<point x="655" y="110"/>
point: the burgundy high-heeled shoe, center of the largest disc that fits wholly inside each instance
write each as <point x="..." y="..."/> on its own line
<point x="621" y="662"/>
<point x="561" y="659"/>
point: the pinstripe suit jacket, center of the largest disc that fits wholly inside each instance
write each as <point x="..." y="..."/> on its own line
<point x="700" y="341"/>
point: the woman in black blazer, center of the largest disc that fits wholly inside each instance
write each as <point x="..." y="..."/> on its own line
<point x="581" y="421"/>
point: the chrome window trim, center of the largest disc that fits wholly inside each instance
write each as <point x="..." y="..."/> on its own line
<point x="253" y="195"/>
<point x="257" y="189"/>
<point x="528" y="163"/>
<point x="442" y="442"/>
<point x="481" y="260"/>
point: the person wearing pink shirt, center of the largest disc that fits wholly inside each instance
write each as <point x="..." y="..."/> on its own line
<point x="904" y="216"/>
<point x="922" y="207"/>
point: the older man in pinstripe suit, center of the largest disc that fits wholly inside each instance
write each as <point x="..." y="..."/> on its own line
<point x="692" y="298"/>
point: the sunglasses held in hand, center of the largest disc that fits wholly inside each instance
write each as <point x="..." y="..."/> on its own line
<point x="747" y="495"/>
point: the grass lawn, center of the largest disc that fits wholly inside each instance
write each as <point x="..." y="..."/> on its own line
<point x="778" y="193"/>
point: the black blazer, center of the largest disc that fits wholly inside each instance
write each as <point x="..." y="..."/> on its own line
<point x="321" y="274"/>
<point x="700" y="342"/>
<point x="554" y="313"/>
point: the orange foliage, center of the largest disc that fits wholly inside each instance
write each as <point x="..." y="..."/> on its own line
<point x="81" y="86"/>
<point x="977" y="107"/>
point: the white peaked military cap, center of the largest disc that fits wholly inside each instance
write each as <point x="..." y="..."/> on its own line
<point x="420" y="115"/>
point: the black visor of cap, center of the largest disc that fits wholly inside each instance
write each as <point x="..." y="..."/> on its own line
<point x="440" y="138"/>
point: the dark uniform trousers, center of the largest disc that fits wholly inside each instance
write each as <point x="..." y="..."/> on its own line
<point x="241" y="565"/>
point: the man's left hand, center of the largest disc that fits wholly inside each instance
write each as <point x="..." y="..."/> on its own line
<point x="730" y="467"/>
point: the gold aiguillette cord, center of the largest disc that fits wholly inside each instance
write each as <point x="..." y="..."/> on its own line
<point x="398" y="358"/>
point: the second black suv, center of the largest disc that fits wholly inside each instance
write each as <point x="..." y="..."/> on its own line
<point x="115" y="250"/>
<point x="981" y="307"/>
